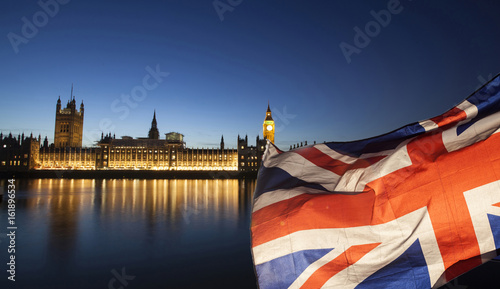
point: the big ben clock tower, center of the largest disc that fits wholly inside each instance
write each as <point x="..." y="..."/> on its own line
<point x="268" y="126"/>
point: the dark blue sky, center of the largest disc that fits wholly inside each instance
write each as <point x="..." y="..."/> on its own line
<point x="223" y="68"/>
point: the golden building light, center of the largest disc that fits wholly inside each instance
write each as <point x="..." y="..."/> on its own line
<point x="268" y="126"/>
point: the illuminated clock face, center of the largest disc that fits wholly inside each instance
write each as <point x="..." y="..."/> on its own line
<point x="269" y="127"/>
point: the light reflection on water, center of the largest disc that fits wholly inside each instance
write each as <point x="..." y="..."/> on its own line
<point x="177" y="233"/>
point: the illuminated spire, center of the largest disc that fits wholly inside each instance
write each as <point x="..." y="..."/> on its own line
<point x="268" y="125"/>
<point x="268" y="113"/>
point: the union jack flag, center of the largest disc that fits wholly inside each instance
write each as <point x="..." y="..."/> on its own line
<point x="413" y="208"/>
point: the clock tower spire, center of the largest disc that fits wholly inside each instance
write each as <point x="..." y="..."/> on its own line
<point x="268" y="125"/>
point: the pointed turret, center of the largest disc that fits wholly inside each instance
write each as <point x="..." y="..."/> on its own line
<point x="268" y="125"/>
<point x="268" y="113"/>
<point x="153" y="132"/>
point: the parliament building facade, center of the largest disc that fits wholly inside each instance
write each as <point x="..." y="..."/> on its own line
<point x="127" y="153"/>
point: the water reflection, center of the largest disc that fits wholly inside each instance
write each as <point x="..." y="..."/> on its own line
<point x="156" y="228"/>
<point x="176" y="201"/>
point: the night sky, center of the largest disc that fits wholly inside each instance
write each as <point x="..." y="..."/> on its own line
<point x="210" y="67"/>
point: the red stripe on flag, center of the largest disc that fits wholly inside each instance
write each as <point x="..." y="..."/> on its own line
<point x="313" y="211"/>
<point x="438" y="180"/>
<point x="344" y="260"/>
<point x="453" y="116"/>
<point x="338" y="167"/>
<point x="497" y="205"/>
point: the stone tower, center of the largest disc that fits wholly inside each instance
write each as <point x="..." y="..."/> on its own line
<point x="68" y="130"/>
<point x="268" y="126"/>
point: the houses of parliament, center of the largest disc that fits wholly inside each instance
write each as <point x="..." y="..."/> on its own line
<point x="24" y="153"/>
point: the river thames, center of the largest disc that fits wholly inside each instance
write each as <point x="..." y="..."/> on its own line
<point x="130" y="233"/>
